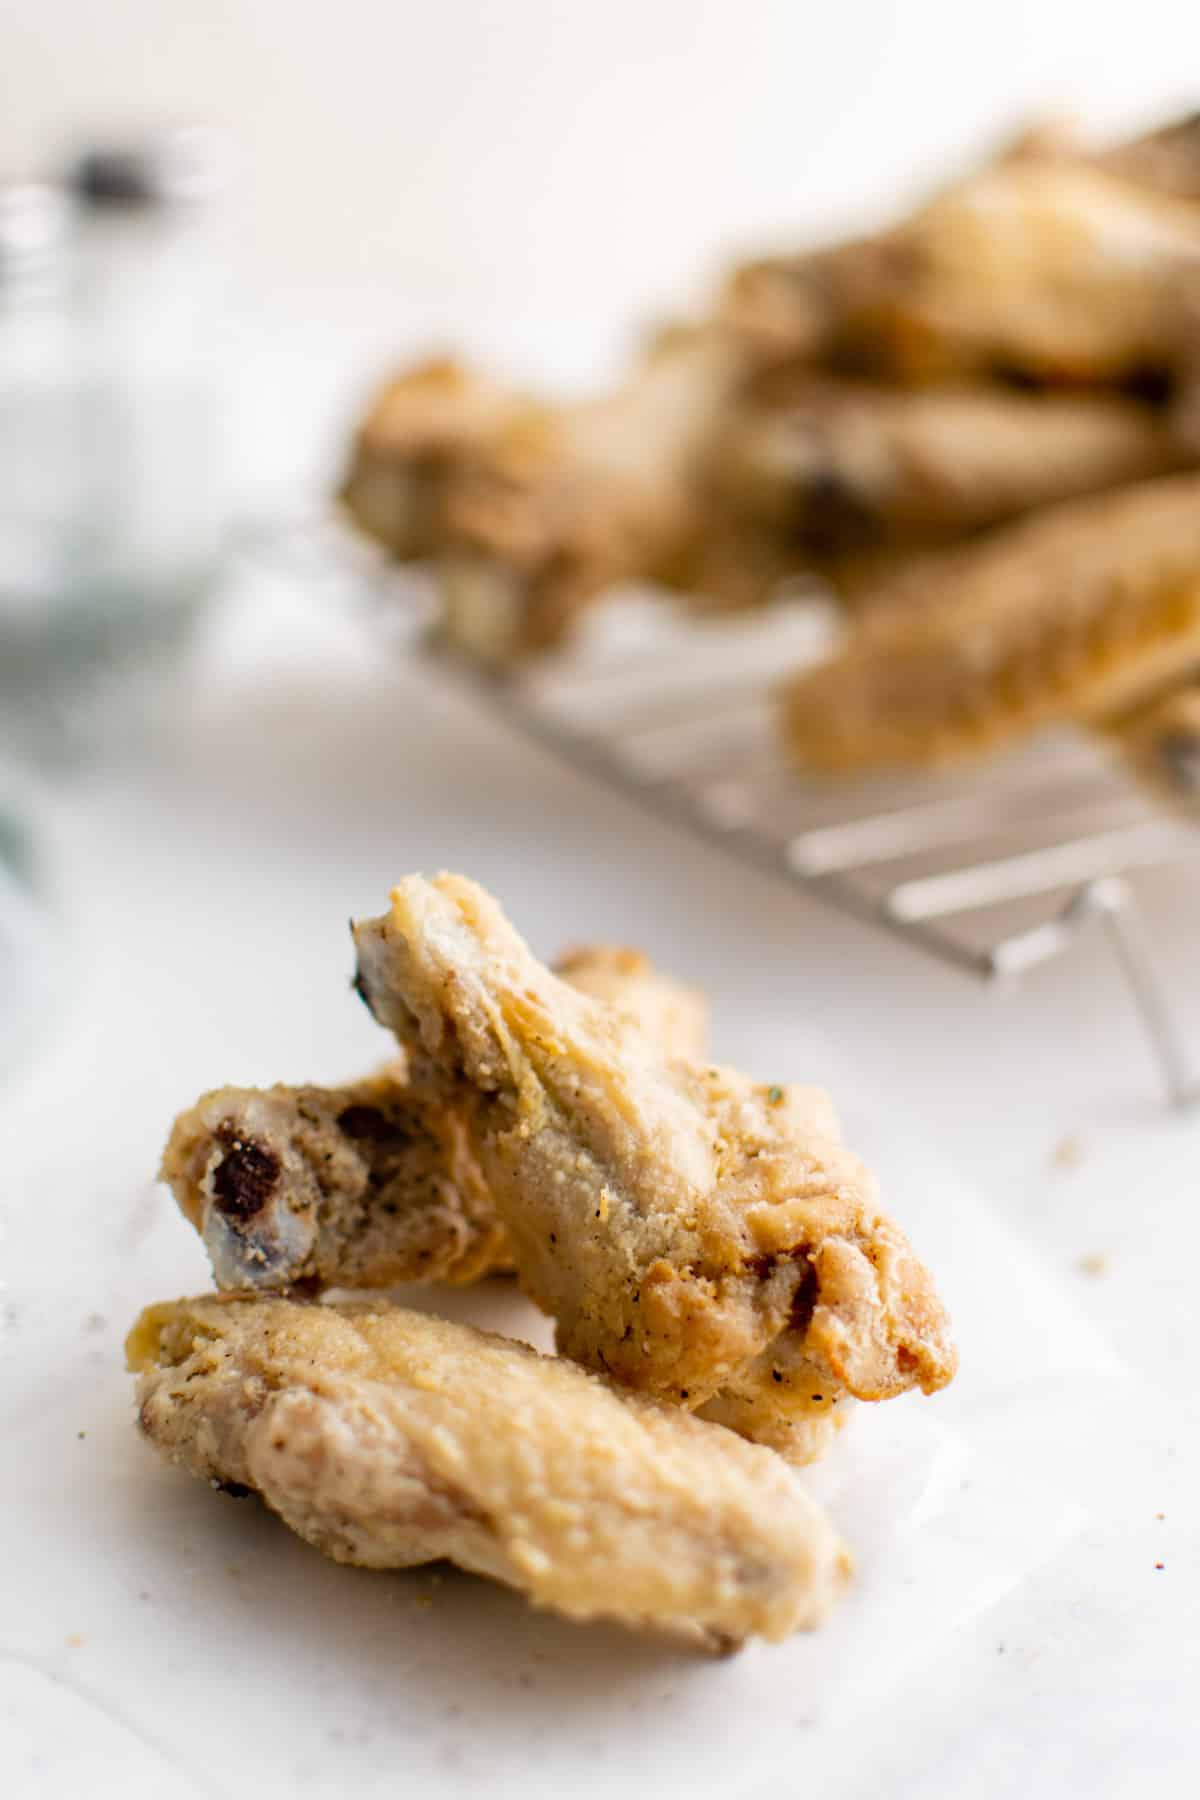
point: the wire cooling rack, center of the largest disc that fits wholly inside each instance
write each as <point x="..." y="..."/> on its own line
<point x="995" y="869"/>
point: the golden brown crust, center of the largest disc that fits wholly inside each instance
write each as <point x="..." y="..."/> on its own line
<point x="843" y="466"/>
<point x="374" y="1182"/>
<point x="693" y="1233"/>
<point x="554" y="512"/>
<point x="364" y="1185"/>
<point x="1043" y="266"/>
<point x="1073" y="613"/>
<point x="387" y="1438"/>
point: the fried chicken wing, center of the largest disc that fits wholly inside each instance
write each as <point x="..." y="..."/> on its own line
<point x="1047" y="268"/>
<point x="858" y="486"/>
<point x="419" y="429"/>
<point x="387" y="1438"/>
<point x="561" y="508"/>
<point x="841" y="466"/>
<point x="375" y="1182"/>
<point x="694" y="1234"/>
<point x="1077" y="612"/>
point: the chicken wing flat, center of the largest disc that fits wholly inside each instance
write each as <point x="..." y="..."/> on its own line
<point x="860" y="487"/>
<point x="1161" y="742"/>
<point x="387" y="1439"/>
<point x="695" y="1235"/>
<point x="1045" y="268"/>
<point x="1077" y="612"/>
<point x="841" y="466"/>
<point x="373" y="1183"/>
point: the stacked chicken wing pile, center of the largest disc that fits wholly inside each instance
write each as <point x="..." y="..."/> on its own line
<point x="723" y="1282"/>
<point x="977" y="427"/>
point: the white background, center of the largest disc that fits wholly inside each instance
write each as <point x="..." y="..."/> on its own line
<point x="555" y="158"/>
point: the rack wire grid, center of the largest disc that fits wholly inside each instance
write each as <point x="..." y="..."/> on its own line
<point x="994" y="868"/>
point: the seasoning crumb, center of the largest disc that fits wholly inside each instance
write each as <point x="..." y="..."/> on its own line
<point x="774" y="1095"/>
<point x="75" y="1638"/>
<point x="81" y="1434"/>
<point x="1069" y="1152"/>
<point x="1094" y="1263"/>
<point x="1160" y="1565"/>
<point x="95" y="1322"/>
<point x="1160" y="1515"/>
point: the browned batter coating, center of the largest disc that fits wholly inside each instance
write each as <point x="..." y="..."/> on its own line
<point x="387" y="1438"/>
<point x="1077" y="612"/>
<point x="413" y="440"/>
<point x="837" y="466"/>
<point x="1046" y="268"/>
<point x="374" y="1182"/>
<point x="854" y="485"/>
<point x="558" y="510"/>
<point x="694" y="1234"/>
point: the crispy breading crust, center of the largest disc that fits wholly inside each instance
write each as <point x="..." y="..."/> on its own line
<point x="374" y="1182"/>
<point x="693" y="1233"/>
<point x="843" y="466"/>
<point x="387" y="1438"/>
<point x="1042" y="266"/>
<point x="419" y="428"/>
<point x="1076" y="612"/>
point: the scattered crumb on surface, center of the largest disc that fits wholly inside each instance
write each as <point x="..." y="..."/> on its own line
<point x="1160" y="1565"/>
<point x="1094" y="1263"/>
<point x="95" y="1322"/>
<point x="81" y="1434"/>
<point x="424" y="1600"/>
<point x="1069" y="1152"/>
<point x="1160" y="1515"/>
<point x="75" y="1638"/>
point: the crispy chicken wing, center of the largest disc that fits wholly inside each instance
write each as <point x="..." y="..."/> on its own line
<point x="845" y="466"/>
<point x="415" y="436"/>
<point x="1076" y="612"/>
<point x="856" y="485"/>
<point x="529" y="511"/>
<point x="552" y="513"/>
<point x="375" y="1182"/>
<point x="1046" y="268"/>
<point x="694" y="1234"/>
<point x="387" y="1439"/>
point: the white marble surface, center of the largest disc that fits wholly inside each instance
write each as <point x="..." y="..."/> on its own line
<point x="1010" y="1633"/>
